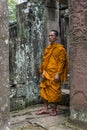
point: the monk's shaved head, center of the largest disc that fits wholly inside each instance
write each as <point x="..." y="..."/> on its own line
<point x="55" y="31"/>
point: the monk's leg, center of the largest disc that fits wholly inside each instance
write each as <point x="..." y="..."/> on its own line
<point x="45" y="109"/>
<point x="45" y="105"/>
<point x="55" y="106"/>
<point x="53" y="112"/>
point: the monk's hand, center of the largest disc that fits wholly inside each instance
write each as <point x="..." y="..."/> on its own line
<point x="56" y="77"/>
<point x="43" y="74"/>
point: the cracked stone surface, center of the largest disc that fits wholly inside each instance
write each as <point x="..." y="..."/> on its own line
<point x="27" y="119"/>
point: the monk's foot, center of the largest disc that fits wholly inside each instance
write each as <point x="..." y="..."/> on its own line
<point x="42" y="112"/>
<point x="53" y="113"/>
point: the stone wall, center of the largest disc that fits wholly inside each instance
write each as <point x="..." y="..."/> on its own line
<point x="28" y="49"/>
<point x="4" y="67"/>
<point x="78" y="59"/>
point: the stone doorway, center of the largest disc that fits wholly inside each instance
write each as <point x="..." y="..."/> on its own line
<point x="27" y="43"/>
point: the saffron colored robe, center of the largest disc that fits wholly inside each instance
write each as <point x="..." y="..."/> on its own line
<point x="55" y="60"/>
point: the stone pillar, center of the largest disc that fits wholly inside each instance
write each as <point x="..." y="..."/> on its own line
<point x="78" y="59"/>
<point x="4" y="67"/>
<point x="26" y="54"/>
<point x="52" y="17"/>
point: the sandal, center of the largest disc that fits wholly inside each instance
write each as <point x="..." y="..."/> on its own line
<point x="42" y="112"/>
<point x="53" y="113"/>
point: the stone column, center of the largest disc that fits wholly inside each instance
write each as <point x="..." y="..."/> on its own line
<point x="4" y="67"/>
<point x="52" y="17"/>
<point x="78" y="59"/>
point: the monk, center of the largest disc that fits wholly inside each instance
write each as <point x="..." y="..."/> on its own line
<point x="53" y="72"/>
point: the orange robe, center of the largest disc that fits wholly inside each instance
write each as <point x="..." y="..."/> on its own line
<point x="55" y="61"/>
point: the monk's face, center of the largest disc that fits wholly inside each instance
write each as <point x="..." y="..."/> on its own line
<point x="52" y="37"/>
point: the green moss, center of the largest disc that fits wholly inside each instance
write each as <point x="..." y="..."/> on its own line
<point x="78" y="115"/>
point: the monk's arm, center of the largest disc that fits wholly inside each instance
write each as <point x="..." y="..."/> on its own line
<point x="61" y="61"/>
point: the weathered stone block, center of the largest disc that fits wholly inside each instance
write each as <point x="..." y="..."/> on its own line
<point x="20" y="90"/>
<point x="4" y="67"/>
<point x="17" y="103"/>
<point x="78" y="60"/>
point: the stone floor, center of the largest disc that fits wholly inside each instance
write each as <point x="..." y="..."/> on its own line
<point x="28" y="120"/>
